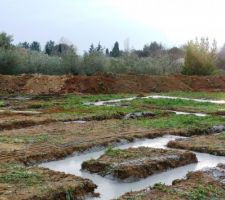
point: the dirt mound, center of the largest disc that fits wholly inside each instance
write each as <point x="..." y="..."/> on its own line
<point x="88" y="84"/>
<point x="13" y="84"/>
<point x="135" y="163"/>
<point x="43" y="84"/>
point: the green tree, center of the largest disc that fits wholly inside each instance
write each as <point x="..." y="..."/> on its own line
<point x="49" y="47"/>
<point x="35" y="46"/>
<point x="154" y="50"/>
<point x="200" y="57"/>
<point x="107" y="52"/>
<point x="92" y="48"/>
<point x="63" y="48"/>
<point x="24" y="45"/>
<point x="5" y="40"/>
<point x="8" y="61"/>
<point x="115" y="51"/>
<point x="96" y="50"/>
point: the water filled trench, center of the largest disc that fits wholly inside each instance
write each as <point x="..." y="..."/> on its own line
<point x="110" y="189"/>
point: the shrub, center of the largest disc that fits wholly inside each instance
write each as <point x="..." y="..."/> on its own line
<point x="8" y="61"/>
<point x="93" y="63"/>
<point x="200" y="58"/>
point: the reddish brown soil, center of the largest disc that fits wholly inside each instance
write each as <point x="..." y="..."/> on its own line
<point x="43" y="84"/>
<point x="135" y="163"/>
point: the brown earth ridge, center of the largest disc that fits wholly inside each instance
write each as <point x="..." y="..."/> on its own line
<point x="44" y="84"/>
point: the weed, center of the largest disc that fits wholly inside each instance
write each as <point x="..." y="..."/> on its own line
<point x="204" y="193"/>
<point x="69" y="195"/>
<point x="16" y="174"/>
<point x="221" y="136"/>
<point x="2" y="103"/>
<point x="179" y="121"/>
<point x="112" y="152"/>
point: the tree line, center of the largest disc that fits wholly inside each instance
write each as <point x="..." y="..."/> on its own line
<point x="198" y="57"/>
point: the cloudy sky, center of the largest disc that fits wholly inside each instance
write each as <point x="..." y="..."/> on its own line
<point x="133" y="22"/>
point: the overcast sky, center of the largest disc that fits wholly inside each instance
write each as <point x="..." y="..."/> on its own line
<point x="83" y="22"/>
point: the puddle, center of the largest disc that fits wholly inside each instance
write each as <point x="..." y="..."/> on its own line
<point x="109" y="102"/>
<point x="110" y="189"/>
<point x="188" y="113"/>
<point x="19" y="98"/>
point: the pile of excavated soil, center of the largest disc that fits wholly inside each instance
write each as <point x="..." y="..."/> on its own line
<point x="43" y="84"/>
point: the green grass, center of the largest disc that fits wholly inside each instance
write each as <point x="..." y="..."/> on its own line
<point x="197" y="95"/>
<point x="209" y="192"/>
<point x="2" y="103"/>
<point x="178" y="121"/>
<point x="178" y="104"/>
<point x="16" y="174"/>
<point x="113" y="152"/>
<point x="221" y="136"/>
<point x="73" y="101"/>
<point x="28" y="139"/>
<point x="74" y="106"/>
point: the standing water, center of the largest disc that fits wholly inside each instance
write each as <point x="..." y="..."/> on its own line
<point x="110" y="189"/>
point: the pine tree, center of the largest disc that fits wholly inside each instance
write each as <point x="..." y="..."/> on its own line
<point x="116" y="50"/>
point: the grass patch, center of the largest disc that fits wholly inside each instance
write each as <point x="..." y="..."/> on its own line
<point x="27" y="139"/>
<point x="178" y="104"/>
<point x="16" y="174"/>
<point x="197" y="95"/>
<point x="204" y="193"/>
<point x="2" y="103"/>
<point x="113" y="152"/>
<point x="221" y="136"/>
<point x="178" y="121"/>
<point x="118" y="153"/>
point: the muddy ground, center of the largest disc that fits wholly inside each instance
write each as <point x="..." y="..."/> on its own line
<point x="207" y="185"/>
<point x="43" y="84"/>
<point x="19" y="182"/>
<point x="213" y="144"/>
<point x="135" y="163"/>
<point x="56" y="140"/>
<point x="35" y="129"/>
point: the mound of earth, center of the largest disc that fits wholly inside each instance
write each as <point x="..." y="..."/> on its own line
<point x="207" y="185"/>
<point x="135" y="163"/>
<point x="44" y="84"/>
<point x="213" y="144"/>
<point x="18" y="182"/>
